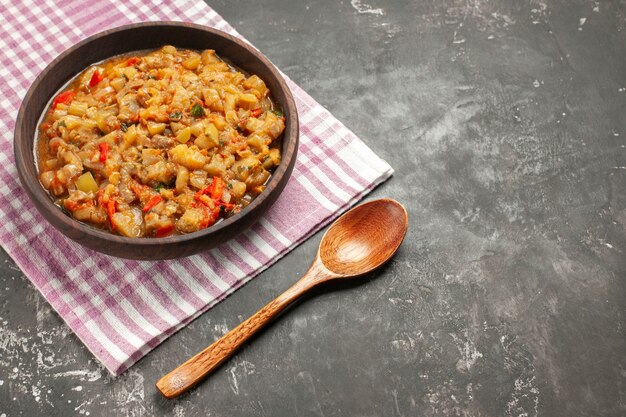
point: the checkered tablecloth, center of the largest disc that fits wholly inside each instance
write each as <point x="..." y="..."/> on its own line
<point x="122" y="309"/>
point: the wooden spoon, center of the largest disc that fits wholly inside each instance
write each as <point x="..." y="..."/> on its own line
<point x="358" y="242"/>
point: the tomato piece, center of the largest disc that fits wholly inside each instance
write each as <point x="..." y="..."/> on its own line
<point x="104" y="151"/>
<point x="64" y="98"/>
<point x="218" y="188"/>
<point x="156" y="199"/>
<point x="111" y="211"/>
<point x="132" y="61"/>
<point x="164" y="231"/>
<point x="95" y="78"/>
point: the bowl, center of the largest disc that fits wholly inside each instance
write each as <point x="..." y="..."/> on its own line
<point x="137" y="37"/>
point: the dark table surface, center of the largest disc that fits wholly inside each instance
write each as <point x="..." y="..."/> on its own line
<point x="504" y="121"/>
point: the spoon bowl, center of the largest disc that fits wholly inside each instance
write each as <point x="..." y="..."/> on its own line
<point x="358" y="242"/>
<point x="364" y="238"/>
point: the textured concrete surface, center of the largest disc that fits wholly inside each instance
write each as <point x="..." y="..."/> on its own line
<point x="504" y="120"/>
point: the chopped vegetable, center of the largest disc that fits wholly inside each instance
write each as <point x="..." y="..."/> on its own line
<point x="175" y="116"/>
<point x="210" y="217"/>
<point x="189" y="157"/>
<point x="278" y="113"/>
<point x="154" y="200"/>
<point x="218" y="188"/>
<point x="192" y="62"/>
<point x="117" y="83"/>
<point x="140" y="190"/>
<point x="132" y="61"/>
<point x="208" y="190"/>
<point x="155" y="128"/>
<point x="128" y="223"/>
<point x="100" y="198"/>
<point x="86" y="183"/>
<point x="111" y="211"/>
<point x="77" y="109"/>
<point x="184" y="135"/>
<point x="129" y="72"/>
<point x="95" y="78"/>
<point x="164" y="231"/>
<point x="104" y="151"/>
<point x="256" y="112"/>
<point x="197" y="110"/>
<point x="64" y="98"/>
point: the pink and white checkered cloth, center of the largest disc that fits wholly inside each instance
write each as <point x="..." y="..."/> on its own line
<point x="122" y="309"/>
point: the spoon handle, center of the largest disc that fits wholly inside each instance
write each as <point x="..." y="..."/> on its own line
<point x="202" y="364"/>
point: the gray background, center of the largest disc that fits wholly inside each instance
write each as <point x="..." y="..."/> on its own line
<point x="504" y="121"/>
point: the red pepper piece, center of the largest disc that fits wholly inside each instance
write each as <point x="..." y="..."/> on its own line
<point x="211" y="217"/>
<point x="64" y="98"/>
<point x="154" y="200"/>
<point x="104" y="151"/>
<point x="95" y="78"/>
<point x="256" y="112"/>
<point x="218" y="188"/>
<point x="206" y="190"/>
<point x="132" y="61"/>
<point x="164" y="231"/>
<point x="111" y="211"/>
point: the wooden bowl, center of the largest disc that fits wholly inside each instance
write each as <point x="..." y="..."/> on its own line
<point x="139" y="37"/>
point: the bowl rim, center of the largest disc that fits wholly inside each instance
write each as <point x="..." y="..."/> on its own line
<point x="36" y="191"/>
